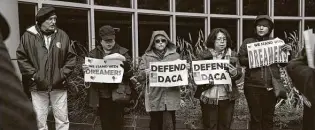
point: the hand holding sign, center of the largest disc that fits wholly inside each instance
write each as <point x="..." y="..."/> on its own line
<point x="232" y="70"/>
<point x="85" y="67"/>
<point x="286" y="48"/>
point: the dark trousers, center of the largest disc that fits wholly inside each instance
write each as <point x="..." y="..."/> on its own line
<point x="309" y="118"/>
<point x="111" y="114"/>
<point x="261" y="104"/>
<point x="162" y="120"/>
<point x="218" y="117"/>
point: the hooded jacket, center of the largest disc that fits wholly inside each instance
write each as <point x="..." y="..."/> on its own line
<point x="43" y="69"/>
<point x="103" y="88"/>
<point x="206" y="55"/>
<point x="258" y="77"/>
<point x="158" y="98"/>
<point x="303" y="78"/>
<point x="16" y="110"/>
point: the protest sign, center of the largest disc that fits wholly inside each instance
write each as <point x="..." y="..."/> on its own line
<point x="309" y="39"/>
<point x="101" y="71"/>
<point x="265" y="53"/>
<point x="205" y="71"/>
<point x="168" y="74"/>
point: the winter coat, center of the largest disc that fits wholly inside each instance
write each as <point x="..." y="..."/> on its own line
<point x="258" y="77"/>
<point x="16" y="110"/>
<point x="303" y="78"/>
<point x="235" y="93"/>
<point x="49" y="68"/>
<point x="107" y="88"/>
<point x="159" y="98"/>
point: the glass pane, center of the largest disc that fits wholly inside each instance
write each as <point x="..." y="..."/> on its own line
<point x="309" y="8"/>
<point x="154" y="4"/>
<point x="76" y="1"/>
<point x="195" y="6"/>
<point x="310" y="25"/>
<point x="75" y="23"/>
<point x="116" y="20"/>
<point x="26" y="16"/>
<point x="282" y="27"/>
<point x="229" y="24"/>
<point x="118" y="3"/>
<point x="286" y="7"/>
<point x="255" y="7"/>
<point x="248" y="29"/>
<point x="223" y="6"/>
<point x="192" y="26"/>
<point x="148" y="24"/>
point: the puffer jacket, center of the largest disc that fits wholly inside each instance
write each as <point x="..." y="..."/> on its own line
<point x="206" y="55"/>
<point x="107" y="88"/>
<point x="49" y="68"/>
<point x="159" y="98"/>
<point x="258" y="77"/>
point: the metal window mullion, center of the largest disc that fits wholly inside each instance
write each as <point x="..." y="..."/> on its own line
<point x="92" y="28"/>
<point x="135" y="30"/>
<point x="62" y="3"/>
<point x="240" y="24"/>
<point x="271" y="12"/>
<point x="172" y="5"/>
<point x="302" y="14"/>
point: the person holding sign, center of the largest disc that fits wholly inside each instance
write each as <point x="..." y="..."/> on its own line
<point x="258" y="81"/>
<point x="303" y="78"/>
<point x="100" y="94"/>
<point x="160" y="102"/>
<point x="217" y="101"/>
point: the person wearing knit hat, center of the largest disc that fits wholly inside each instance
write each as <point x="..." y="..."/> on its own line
<point x="100" y="94"/>
<point x="46" y="59"/>
<point x="258" y="87"/>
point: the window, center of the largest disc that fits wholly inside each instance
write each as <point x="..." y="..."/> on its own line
<point x="192" y="26"/>
<point x="74" y="22"/>
<point x="26" y="16"/>
<point x="118" y="3"/>
<point x="248" y="29"/>
<point x="154" y="4"/>
<point x="194" y="6"/>
<point x="116" y="20"/>
<point x="309" y="24"/>
<point x="282" y="27"/>
<point x="255" y="7"/>
<point x="223" y="6"/>
<point x="148" y="24"/>
<point x="229" y="24"/>
<point x="76" y="1"/>
<point x="286" y="7"/>
<point x="309" y="8"/>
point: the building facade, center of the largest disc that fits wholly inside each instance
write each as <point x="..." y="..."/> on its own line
<point x="179" y="18"/>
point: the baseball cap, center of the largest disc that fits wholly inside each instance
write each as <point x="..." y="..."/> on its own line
<point x="107" y="32"/>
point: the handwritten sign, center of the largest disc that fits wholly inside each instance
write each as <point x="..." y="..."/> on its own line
<point x="168" y="74"/>
<point x="265" y="53"/>
<point x="205" y="71"/>
<point x="101" y="71"/>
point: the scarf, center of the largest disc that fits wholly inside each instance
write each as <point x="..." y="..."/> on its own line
<point x="159" y="53"/>
<point x="207" y="95"/>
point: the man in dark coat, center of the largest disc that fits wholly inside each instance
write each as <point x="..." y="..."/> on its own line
<point x="46" y="58"/>
<point x="16" y="111"/>
<point x="303" y="77"/>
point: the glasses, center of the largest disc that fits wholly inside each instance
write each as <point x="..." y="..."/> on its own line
<point x="220" y="39"/>
<point x="160" y="40"/>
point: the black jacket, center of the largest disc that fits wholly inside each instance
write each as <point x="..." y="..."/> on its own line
<point x="50" y="68"/>
<point x="107" y="88"/>
<point x="16" y="110"/>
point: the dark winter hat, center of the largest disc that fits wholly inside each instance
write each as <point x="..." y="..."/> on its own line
<point x="107" y="32"/>
<point x="44" y="13"/>
<point x="264" y="19"/>
<point x="4" y="28"/>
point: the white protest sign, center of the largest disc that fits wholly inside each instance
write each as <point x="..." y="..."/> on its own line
<point x="265" y="53"/>
<point x="309" y="47"/>
<point x="205" y="71"/>
<point x="101" y="71"/>
<point x="168" y="74"/>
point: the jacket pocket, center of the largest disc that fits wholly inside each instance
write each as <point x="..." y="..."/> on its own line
<point x="58" y="78"/>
